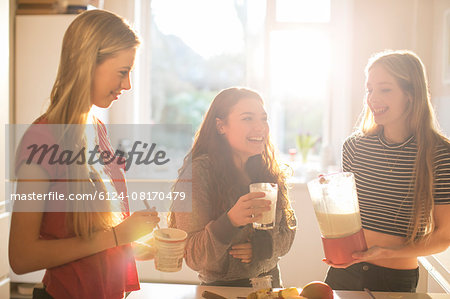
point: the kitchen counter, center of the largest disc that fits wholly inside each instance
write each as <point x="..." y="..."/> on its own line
<point x="185" y="291"/>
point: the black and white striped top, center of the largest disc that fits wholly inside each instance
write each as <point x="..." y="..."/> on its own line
<point x="383" y="175"/>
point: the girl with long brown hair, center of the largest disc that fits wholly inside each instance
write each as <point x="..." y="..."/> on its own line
<point x="401" y="163"/>
<point x="84" y="247"/>
<point x="232" y="149"/>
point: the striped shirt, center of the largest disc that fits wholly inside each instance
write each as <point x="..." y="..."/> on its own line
<point x="383" y="175"/>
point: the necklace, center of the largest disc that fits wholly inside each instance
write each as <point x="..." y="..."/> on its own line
<point x="390" y="166"/>
<point x="399" y="148"/>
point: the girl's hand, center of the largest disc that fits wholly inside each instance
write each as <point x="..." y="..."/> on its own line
<point x="136" y="226"/>
<point x="248" y="209"/>
<point x="329" y="263"/>
<point x="242" y="251"/>
<point x="144" y="251"/>
<point x="372" y="253"/>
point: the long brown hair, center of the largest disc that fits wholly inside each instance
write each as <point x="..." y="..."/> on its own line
<point x="409" y="71"/>
<point x="91" y="38"/>
<point x="224" y="173"/>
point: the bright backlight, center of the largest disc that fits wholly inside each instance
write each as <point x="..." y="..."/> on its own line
<point x="210" y="28"/>
<point x="300" y="62"/>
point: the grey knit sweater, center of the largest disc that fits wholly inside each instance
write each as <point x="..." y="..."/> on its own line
<point x="209" y="239"/>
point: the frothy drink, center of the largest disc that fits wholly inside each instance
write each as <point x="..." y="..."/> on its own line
<point x="268" y="218"/>
<point x="338" y="225"/>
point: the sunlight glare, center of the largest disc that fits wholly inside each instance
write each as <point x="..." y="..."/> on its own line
<point x="210" y="28"/>
<point x="316" y="11"/>
<point x="300" y="63"/>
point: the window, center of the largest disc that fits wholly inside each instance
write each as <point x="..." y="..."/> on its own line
<point x="198" y="48"/>
<point x="299" y="71"/>
<point x="281" y="48"/>
<point x="303" y="11"/>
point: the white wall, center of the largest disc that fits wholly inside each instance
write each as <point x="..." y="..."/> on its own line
<point x="38" y="40"/>
<point x="126" y="109"/>
<point x="440" y="91"/>
<point x="4" y="118"/>
<point x="440" y="94"/>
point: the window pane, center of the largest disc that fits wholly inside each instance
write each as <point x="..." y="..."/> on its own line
<point x="197" y="50"/>
<point x="300" y="62"/>
<point x="316" y="11"/>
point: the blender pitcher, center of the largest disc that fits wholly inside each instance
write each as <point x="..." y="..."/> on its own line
<point x="336" y="206"/>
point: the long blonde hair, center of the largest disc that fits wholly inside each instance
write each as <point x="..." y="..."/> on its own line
<point x="91" y="38"/>
<point x="409" y="71"/>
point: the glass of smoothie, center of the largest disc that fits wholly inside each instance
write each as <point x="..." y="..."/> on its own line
<point x="268" y="218"/>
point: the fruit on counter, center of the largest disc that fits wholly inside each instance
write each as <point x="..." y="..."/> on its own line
<point x="289" y="292"/>
<point x="262" y="294"/>
<point x="317" y="290"/>
<point x="313" y="290"/>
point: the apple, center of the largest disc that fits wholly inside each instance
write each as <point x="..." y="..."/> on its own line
<point x="317" y="290"/>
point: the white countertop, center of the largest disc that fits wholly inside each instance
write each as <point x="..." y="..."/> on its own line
<point x="185" y="291"/>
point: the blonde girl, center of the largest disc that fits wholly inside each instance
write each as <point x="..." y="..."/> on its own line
<point x="86" y="251"/>
<point x="401" y="163"/>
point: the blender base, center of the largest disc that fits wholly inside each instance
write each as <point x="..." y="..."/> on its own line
<point x="340" y="250"/>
